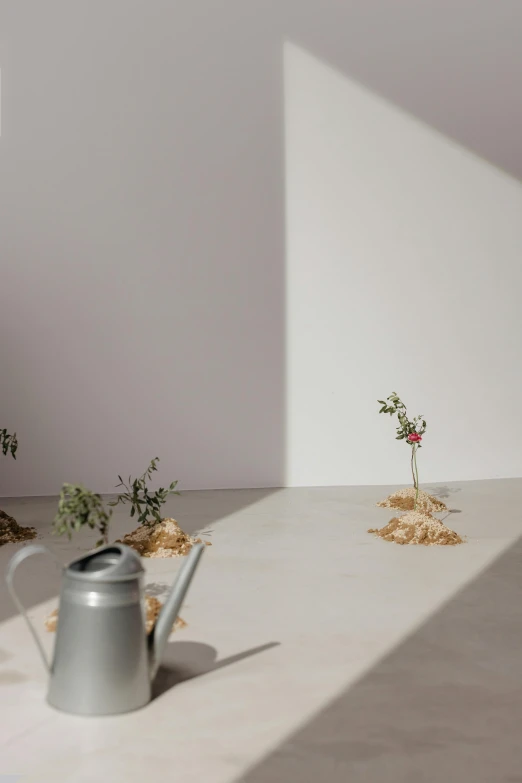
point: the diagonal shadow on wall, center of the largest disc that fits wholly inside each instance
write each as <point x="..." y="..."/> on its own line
<point x="444" y="705"/>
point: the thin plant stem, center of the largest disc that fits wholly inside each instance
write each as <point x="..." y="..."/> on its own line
<point x="416" y="477"/>
<point x="412" y="466"/>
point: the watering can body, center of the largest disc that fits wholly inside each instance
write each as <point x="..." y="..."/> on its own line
<point x="104" y="662"/>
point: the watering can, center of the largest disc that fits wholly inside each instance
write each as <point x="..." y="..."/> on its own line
<point x="104" y="662"/>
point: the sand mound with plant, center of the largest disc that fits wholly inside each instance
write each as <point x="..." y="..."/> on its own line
<point x="418" y="528"/>
<point x="404" y="500"/>
<point x="152" y="610"/>
<point x="11" y="532"/>
<point x="164" y="539"/>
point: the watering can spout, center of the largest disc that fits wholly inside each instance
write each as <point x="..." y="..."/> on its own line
<point x="159" y="635"/>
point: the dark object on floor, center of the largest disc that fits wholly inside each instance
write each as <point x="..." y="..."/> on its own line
<point x="11" y="532"/>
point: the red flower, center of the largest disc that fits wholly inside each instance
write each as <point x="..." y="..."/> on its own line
<point x="414" y="437"/>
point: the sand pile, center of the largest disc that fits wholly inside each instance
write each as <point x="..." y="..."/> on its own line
<point x="11" y="532"/>
<point x="152" y="610"/>
<point x="418" y="528"/>
<point x="51" y="621"/>
<point x="404" y="500"/>
<point x="165" y="539"/>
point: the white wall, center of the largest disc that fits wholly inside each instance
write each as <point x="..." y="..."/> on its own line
<point x="403" y="274"/>
<point x="142" y="244"/>
<point x="142" y="227"/>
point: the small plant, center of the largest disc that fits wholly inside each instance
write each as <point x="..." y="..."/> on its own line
<point x="8" y="443"/>
<point x="79" y="506"/>
<point x="143" y="503"/>
<point x="409" y="431"/>
<point x="10" y="531"/>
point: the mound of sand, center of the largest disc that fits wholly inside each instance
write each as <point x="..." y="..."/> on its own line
<point x="165" y="539"/>
<point x="152" y="610"/>
<point x="418" y="528"/>
<point x="11" y="532"/>
<point x="404" y="500"/>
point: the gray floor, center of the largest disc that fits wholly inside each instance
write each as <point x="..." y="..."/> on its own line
<point x="313" y="652"/>
<point x="446" y="705"/>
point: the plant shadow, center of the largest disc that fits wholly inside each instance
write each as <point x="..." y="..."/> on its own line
<point x="156" y="589"/>
<point x="450" y="513"/>
<point x="443" y="492"/>
<point x="187" y="660"/>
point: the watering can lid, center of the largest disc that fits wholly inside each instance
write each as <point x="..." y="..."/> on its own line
<point x="113" y="563"/>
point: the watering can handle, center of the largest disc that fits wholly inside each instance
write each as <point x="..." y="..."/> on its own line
<point x="19" y="557"/>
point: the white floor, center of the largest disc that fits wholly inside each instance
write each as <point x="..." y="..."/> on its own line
<point x="294" y="591"/>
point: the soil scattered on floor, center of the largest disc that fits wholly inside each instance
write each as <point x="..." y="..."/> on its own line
<point x="418" y="528"/>
<point x="404" y="500"/>
<point x="165" y="539"/>
<point x="152" y="610"/>
<point x="11" y="532"/>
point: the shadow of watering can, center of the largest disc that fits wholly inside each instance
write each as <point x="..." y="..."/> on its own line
<point x="104" y="662"/>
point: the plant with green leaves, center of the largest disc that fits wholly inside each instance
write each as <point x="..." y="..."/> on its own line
<point x="145" y="504"/>
<point x="8" y="443"/>
<point x="410" y="431"/>
<point x="78" y="506"/>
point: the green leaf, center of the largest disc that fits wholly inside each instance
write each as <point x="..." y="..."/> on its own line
<point x="143" y="502"/>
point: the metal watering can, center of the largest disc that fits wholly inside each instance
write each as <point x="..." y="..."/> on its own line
<point x="104" y="662"/>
